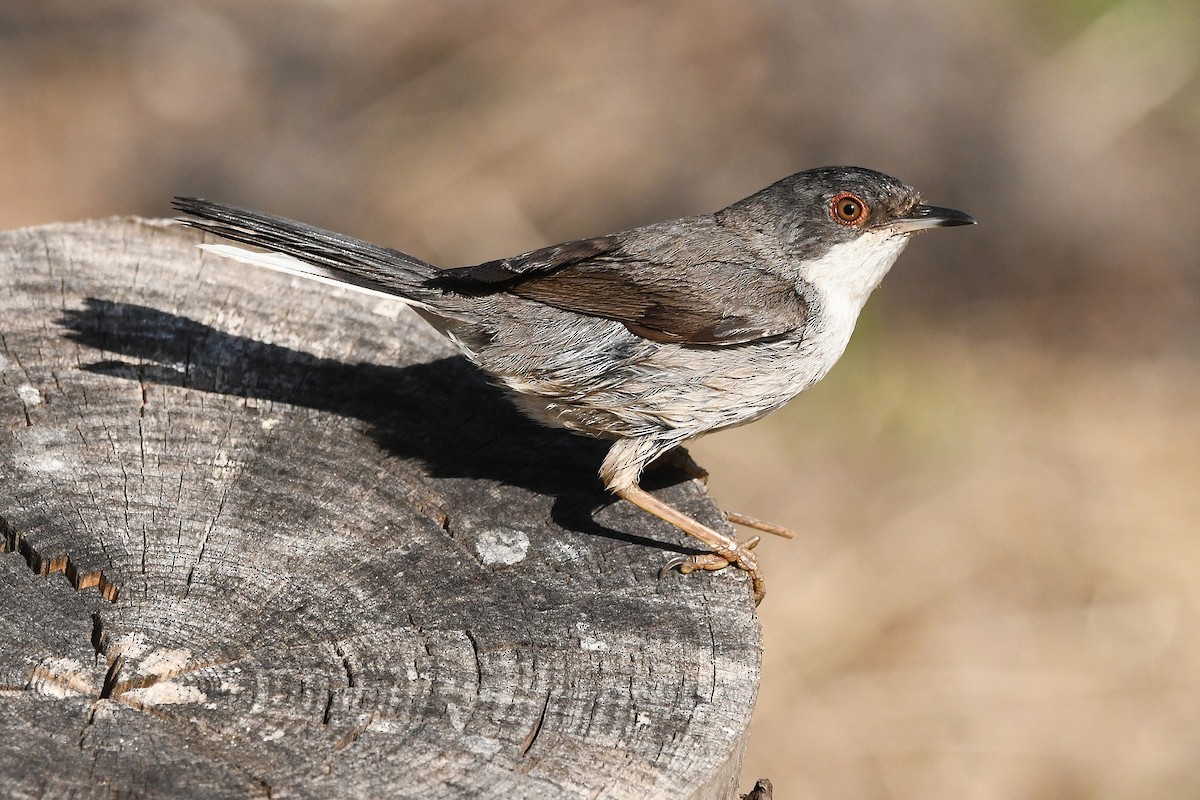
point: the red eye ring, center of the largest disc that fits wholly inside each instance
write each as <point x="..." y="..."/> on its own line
<point x="848" y="209"/>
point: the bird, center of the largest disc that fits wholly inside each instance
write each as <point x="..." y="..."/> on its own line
<point x="649" y="337"/>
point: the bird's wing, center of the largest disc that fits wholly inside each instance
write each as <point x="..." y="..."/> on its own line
<point x="704" y="301"/>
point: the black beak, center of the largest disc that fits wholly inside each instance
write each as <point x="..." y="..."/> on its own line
<point x="923" y="217"/>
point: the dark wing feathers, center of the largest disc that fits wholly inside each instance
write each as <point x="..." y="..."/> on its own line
<point x="493" y="274"/>
<point x="352" y="260"/>
<point x="665" y="307"/>
<point x="710" y="303"/>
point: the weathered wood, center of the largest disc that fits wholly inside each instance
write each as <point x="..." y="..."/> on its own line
<point x="308" y="552"/>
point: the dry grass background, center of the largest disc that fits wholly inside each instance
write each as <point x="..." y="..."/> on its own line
<point x="997" y="589"/>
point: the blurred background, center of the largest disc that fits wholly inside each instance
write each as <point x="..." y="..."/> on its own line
<point x="996" y="590"/>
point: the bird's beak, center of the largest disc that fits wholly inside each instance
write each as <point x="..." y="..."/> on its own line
<point x="924" y="217"/>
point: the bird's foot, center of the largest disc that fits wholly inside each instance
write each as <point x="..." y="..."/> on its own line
<point x="739" y="555"/>
<point x="725" y="549"/>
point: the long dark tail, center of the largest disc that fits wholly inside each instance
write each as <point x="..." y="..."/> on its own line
<point x="336" y="256"/>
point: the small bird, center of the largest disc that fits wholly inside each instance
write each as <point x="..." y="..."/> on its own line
<point x="649" y="337"/>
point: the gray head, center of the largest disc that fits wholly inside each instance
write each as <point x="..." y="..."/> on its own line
<point x="818" y="208"/>
<point x="841" y="225"/>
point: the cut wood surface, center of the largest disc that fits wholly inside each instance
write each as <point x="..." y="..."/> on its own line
<point x="271" y="538"/>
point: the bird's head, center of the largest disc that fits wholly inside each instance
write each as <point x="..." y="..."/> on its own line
<point x="842" y="227"/>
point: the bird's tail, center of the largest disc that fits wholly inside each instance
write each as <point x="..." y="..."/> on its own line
<point x="310" y="252"/>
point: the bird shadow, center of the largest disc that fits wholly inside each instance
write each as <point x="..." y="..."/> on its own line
<point x="443" y="413"/>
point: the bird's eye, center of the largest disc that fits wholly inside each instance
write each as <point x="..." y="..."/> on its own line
<point x="848" y="209"/>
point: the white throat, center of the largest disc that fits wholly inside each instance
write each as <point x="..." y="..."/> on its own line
<point x="850" y="271"/>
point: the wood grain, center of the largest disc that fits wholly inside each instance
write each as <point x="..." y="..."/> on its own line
<point x="266" y="538"/>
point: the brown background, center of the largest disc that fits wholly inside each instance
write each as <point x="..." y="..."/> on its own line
<point x="997" y="588"/>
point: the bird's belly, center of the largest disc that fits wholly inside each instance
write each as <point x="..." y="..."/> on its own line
<point x="596" y="377"/>
<point x="688" y="391"/>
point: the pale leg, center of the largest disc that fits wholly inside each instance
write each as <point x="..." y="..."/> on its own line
<point x="679" y="458"/>
<point x="725" y="549"/>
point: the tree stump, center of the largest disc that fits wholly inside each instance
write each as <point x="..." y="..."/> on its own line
<point x="269" y="538"/>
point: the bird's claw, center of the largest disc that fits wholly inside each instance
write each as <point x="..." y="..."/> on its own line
<point x="741" y="557"/>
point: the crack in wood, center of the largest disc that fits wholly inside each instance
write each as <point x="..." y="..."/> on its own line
<point x="87" y="727"/>
<point x="350" y="681"/>
<point x="328" y="715"/>
<point x="13" y="542"/>
<point x="110" y="677"/>
<point x="478" y="662"/>
<point x="16" y="360"/>
<point x="204" y="542"/>
<point x="99" y="635"/>
<point x="531" y="737"/>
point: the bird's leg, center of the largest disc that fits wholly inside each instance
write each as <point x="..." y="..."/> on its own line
<point x="725" y="549"/>
<point x="624" y="463"/>
<point x="679" y="458"/>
